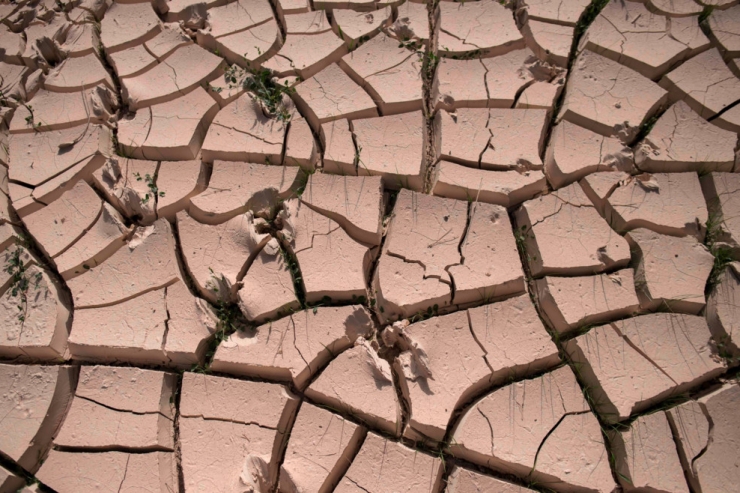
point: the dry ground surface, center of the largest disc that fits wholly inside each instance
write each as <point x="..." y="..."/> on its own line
<point x="374" y="246"/>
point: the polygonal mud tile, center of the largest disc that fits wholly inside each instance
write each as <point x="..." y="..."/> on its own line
<point x="307" y="23"/>
<point x="724" y="208"/>
<point x="575" y="152"/>
<point x="284" y="7"/>
<point x="332" y="264"/>
<point x="541" y="95"/>
<point x="35" y="319"/>
<point x="724" y="26"/>
<point x="723" y="314"/>
<point x="190" y="325"/>
<point x="412" y="22"/>
<point x="421" y="245"/>
<point x="670" y="271"/>
<point x="570" y="303"/>
<point x="331" y="95"/>
<point x="132" y="331"/>
<point x="175" y="76"/>
<point x="59" y="225"/>
<point x="82" y="39"/>
<point x="148" y="262"/>
<point x="235" y="188"/>
<point x="321" y="448"/>
<point x="382" y="465"/>
<point x="268" y="288"/>
<point x="251" y="47"/>
<point x="217" y="256"/>
<point x="358" y="5"/>
<point x="76" y="74"/>
<point x="300" y="146"/>
<point x="101" y="240"/>
<point x="61" y="110"/>
<point x="536" y="424"/>
<point x="608" y="98"/>
<point x="551" y="42"/>
<point x="600" y="185"/>
<point x="633" y="364"/>
<point x="242" y="423"/>
<point x="99" y="471"/>
<point x="505" y="188"/>
<point x="369" y="395"/>
<point x="562" y="233"/>
<point x="126" y="184"/>
<point x="707" y="437"/>
<point x="392" y="147"/>
<point x="121" y="407"/>
<point x="242" y="132"/>
<point x="466" y="481"/>
<point x="707" y="86"/>
<point x="40" y="156"/>
<point x="355" y="203"/>
<point x="356" y="27"/>
<point x="267" y="351"/>
<point x="179" y="181"/>
<point x="448" y="360"/>
<point x="305" y="55"/>
<point x="13" y="82"/>
<point x="234" y="17"/>
<point x="9" y="481"/>
<point x="173" y="131"/>
<point x="645" y="456"/>
<point x="34" y="402"/>
<point x="667" y="203"/>
<point x="553" y="11"/>
<point x="488" y="236"/>
<point x="388" y="72"/>
<point x="128" y="24"/>
<point x="681" y="140"/>
<point x="22" y="199"/>
<point x="676" y="7"/>
<point x="623" y="31"/>
<point x="493" y="138"/>
<point x="489" y="82"/>
<point x="485" y="28"/>
<point x="339" y="148"/>
<point x="13" y="45"/>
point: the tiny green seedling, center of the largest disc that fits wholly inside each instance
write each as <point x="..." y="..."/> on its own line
<point x="20" y="281"/>
<point x="153" y="190"/>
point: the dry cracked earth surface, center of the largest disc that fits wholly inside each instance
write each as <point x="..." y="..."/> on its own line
<point x="369" y="246"/>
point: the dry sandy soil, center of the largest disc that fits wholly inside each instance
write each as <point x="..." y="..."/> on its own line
<point x="369" y="246"/>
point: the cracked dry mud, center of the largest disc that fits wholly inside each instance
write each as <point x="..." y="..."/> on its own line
<point x="369" y="246"/>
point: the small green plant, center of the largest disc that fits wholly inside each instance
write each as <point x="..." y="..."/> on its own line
<point x="263" y="87"/>
<point x="20" y="280"/>
<point x="31" y="118"/>
<point x="153" y="190"/>
<point x="269" y="93"/>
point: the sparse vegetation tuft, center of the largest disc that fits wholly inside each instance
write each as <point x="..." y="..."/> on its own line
<point x="20" y="279"/>
<point x="264" y="88"/>
<point x="153" y="190"/>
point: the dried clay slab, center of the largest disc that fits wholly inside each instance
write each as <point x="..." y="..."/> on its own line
<point x="449" y="360"/>
<point x="636" y="363"/>
<point x="707" y="438"/>
<point x="33" y="404"/>
<point x="278" y="350"/>
<point x="244" y="423"/>
<point x="564" y="234"/>
<point x="520" y="439"/>
<point x="128" y="408"/>
<point x="321" y="448"/>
